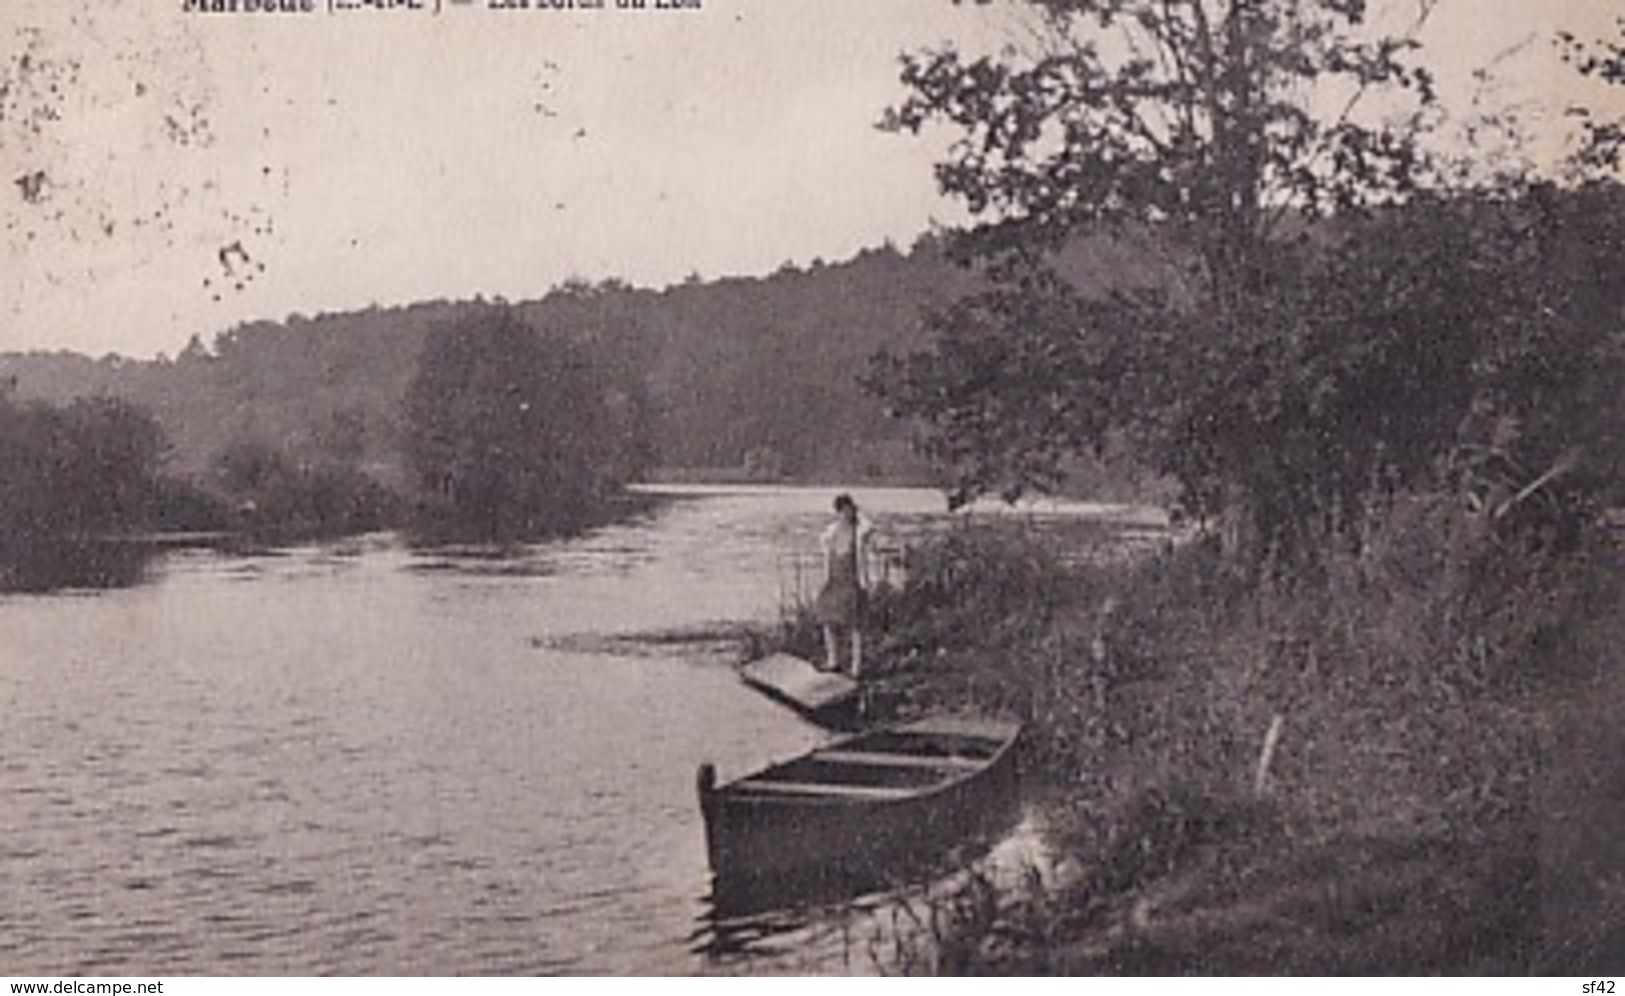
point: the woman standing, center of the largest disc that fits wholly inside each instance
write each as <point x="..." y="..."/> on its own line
<point x="840" y="604"/>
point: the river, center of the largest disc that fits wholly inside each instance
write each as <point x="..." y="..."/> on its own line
<point x="365" y="759"/>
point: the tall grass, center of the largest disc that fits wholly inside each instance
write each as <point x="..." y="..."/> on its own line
<point x="1411" y="686"/>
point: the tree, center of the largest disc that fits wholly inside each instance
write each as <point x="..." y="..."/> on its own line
<point x="86" y="469"/>
<point x="509" y="429"/>
<point x="1200" y="116"/>
<point x="1242" y="143"/>
<point x="274" y="495"/>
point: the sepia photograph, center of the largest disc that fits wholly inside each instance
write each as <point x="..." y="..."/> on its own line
<point x="523" y="488"/>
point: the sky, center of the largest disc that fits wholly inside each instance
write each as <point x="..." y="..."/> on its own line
<point x="166" y="174"/>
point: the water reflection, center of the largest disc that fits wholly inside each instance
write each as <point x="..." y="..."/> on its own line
<point x="882" y="921"/>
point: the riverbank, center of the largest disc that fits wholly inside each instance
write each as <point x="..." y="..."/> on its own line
<point x="1397" y="766"/>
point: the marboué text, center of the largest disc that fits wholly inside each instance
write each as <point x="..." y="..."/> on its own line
<point x="248" y="6"/>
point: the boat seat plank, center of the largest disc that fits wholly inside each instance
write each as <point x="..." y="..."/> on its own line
<point x="828" y="790"/>
<point x="891" y="760"/>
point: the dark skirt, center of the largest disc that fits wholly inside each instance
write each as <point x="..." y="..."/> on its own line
<point x="840" y="603"/>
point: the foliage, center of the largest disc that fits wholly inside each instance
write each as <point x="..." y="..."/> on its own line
<point x="979" y="582"/>
<point x="1416" y="684"/>
<point x="771" y="365"/>
<point x="1540" y="279"/>
<point x="89" y="468"/>
<point x="1197" y="115"/>
<point x="510" y="430"/>
<point x="1289" y="371"/>
<point x="77" y="483"/>
<point x="273" y="496"/>
<point x="704" y="373"/>
<point x="1009" y="409"/>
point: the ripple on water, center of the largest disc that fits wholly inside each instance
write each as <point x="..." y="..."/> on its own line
<point x="374" y="760"/>
<point x="223" y="841"/>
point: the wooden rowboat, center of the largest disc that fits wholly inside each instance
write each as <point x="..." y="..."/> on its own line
<point x="859" y="812"/>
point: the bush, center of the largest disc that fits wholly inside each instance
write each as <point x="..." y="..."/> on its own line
<point x="512" y="433"/>
<point x="272" y="496"/>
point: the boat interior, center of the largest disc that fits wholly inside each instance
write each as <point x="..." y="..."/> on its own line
<point x="880" y="765"/>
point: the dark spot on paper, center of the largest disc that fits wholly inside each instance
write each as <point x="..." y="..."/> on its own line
<point x="32" y="186"/>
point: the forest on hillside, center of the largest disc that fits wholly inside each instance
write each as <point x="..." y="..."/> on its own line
<point x="744" y="373"/>
<point x="471" y="420"/>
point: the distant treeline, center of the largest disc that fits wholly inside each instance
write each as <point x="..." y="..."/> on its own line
<point x="507" y="432"/>
<point x="760" y="371"/>
<point x="484" y="417"/>
<point x="476" y="418"/>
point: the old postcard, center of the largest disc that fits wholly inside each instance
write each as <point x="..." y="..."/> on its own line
<point x="529" y="487"/>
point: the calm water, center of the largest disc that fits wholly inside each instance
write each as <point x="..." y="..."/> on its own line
<point x="363" y="759"/>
